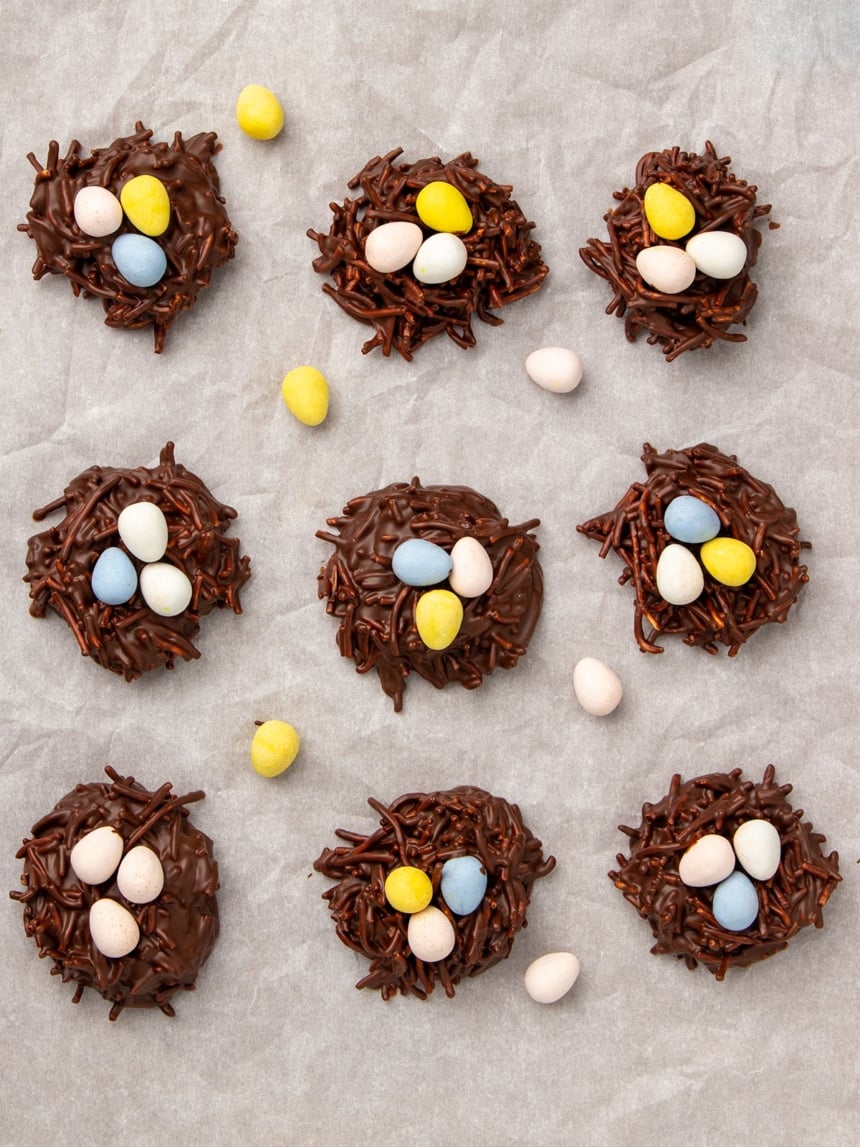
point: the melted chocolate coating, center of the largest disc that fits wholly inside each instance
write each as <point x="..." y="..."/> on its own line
<point x="425" y="830"/>
<point x="703" y="314"/>
<point x="749" y="510"/>
<point x="130" y="639"/>
<point x="198" y="239"/>
<point x="177" y="930"/>
<point x="377" y="610"/>
<point x="681" y="918"/>
<point x="504" y="262"/>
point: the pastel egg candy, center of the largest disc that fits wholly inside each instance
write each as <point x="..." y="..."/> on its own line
<point x="419" y="562"/>
<point x="113" y="928"/>
<point x="463" y="884"/>
<point x="143" y="529"/>
<point x="140" y="877"/>
<point x="597" y="686"/>
<point x="440" y="258"/>
<point x="691" y="520"/>
<point x="728" y="560"/>
<point x="95" y="857"/>
<point x="471" y="567"/>
<point x="550" y="977"/>
<point x="708" y="861"/>
<point x="443" y="207"/>
<point x="555" y="368"/>
<point x="306" y="395"/>
<point x="141" y="261"/>
<point x="258" y="112"/>
<point x="146" y="203"/>
<point x="735" y="904"/>
<point x="669" y="213"/>
<point x="408" y="889"/>
<point x="114" y="578"/>
<point x="438" y="617"/>
<point x="758" y="848"/>
<point x="274" y="747"/>
<point x="97" y="211"/>
<point x="391" y="246"/>
<point x="430" y="935"/>
<point x="667" y="269"/>
<point x="165" y="588"/>
<point x="679" y="576"/>
<point x="720" y="254"/>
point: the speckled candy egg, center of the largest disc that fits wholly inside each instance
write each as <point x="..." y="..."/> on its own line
<point x="555" y="368"/>
<point x="98" y="212"/>
<point x="691" y="520"/>
<point x="597" y="686"/>
<point x="679" y="576"/>
<point x="735" y="904"/>
<point x="440" y="258"/>
<point x="708" y="861"/>
<point x="391" y="246"/>
<point x="667" y="269"/>
<point x="728" y="560"/>
<point x="165" y="588"/>
<point x="463" y="884"/>
<point x="758" y="848"/>
<point x="418" y="562"/>
<point x="430" y="935"/>
<point x="114" y="578"/>
<point x="141" y="261"/>
<point x="113" y="928"/>
<point x="550" y="977"/>
<point x="95" y="857"/>
<point x="140" y="877"/>
<point x="471" y="567"/>
<point x="720" y="254"/>
<point x="143" y="529"/>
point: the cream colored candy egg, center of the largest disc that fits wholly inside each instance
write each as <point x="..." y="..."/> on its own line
<point x="679" y="576"/>
<point x="274" y="748"/>
<point x="143" y="529"/>
<point x="720" y="254"/>
<point x="552" y="976"/>
<point x="95" y="857"/>
<point x="140" y="878"/>
<point x="391" y="246"/>
<point x="145" y="201"/>
<point x="430" y="935"/>
<point x="758" y="848"/>
<point x="667" y="269"/>
<point x="306" y="395"/>
<point x="440" y="258"/>
<point x="165" y="588"/>
<point x="471" y="567"/>
<point x="97" y="211"/>
<point x="597" y="686"/>
<point x="555" y="368"/>
<point x="113" y="928"/>
<point x="709" y="861"/>
<point x="259" y="112"/>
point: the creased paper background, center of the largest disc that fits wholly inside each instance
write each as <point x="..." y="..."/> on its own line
<point x="560" y="100"/>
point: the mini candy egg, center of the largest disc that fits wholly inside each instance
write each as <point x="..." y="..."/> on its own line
<point x="555" y="368"/>
<point x="165" y="588"/>
<point x="98" y="212"/>
<point x="392" y="246"/>
<point x="139" y="260"/>
<point x="667" y="269"/>
<point x="550" y="977"/>
<point x="463" y="884"/>
<point x="114" y="578"/>
<point x="408" y="889"/>
<point x="145" y="201"/>
<point x="691" y="520"/>
<point x="440" y="258"/>
<point x="438" y="617"/>
<point x="305" y="392"/>
<point x="143" y="529"/>
<point x="443" y="207"/>
<point x="735" y="904"/>
<point x="95" y="857"/>
<point x="708" y="861"/>
<point x="419" y="562"/>
<point x="113" y="928"/>
<point x="669" y="213"/>
<point x="758" y="848"/>
<point x="679" y="576"/>
<point x="720" y="254"/>
<point x="140" y="878"/>
<point x="597" y="687"/>
<point x="430" y="935"/>
<point x="258" y="112"/>
<point x="728" y="560"/>
<point x="471" y="567"/>
<point x="274" y="748"/>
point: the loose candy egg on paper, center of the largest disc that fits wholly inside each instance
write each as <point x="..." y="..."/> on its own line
<point x="708" y="861"/>
<point x="550" y="977"/>
<point x="141" y="261"/>
<point x="165" y="588"/>
<point x="471" y="567"/>
<point x="669" y="213"/>
<point x="145" y="201"/>
<point x="463" y="884"/>
<point x="728" y="560"/>
<point x="440" y="258"/>
<point x="758" y="848"/>
<point x="140" y="877"/>
<point x="143" y="529"/>
<point x="720" y="254"/>
<point x="95" y="857"/>
<point x="418" y="562"/>
<point x="667" y="269"/>
<point x="408" y="889"/>
<point x="274" y="747"/>
<point x="443" y="207"/>
<point x="113" y="928"/>
<point x="438" y="617"/>
<point x="391" y="246"/>
<point x="691" y="520"/>
<point x="430" y="935"/>
<point x="259" y="112"/>
<point x="555" y="368"/>
<point x="306" y="395"/>
<point x="97" y="211"/>
<point x="735" y="904"/>
<point x="114" y="578"/>
<point x="597" y="686"/>
<point x="679" y="576"/>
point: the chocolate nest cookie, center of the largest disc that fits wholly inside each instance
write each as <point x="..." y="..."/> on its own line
<point x="764" y="531"/>
<point x="198" y="237"/>
<point x="193" y="559"/>
<point x="176" y="929"/>
<point x="384" y="620"/>
<point x="703" y="312"/>
<point x="682" y="918"/>
<point x="424" y="833"/>
<point x="503" y="261"/>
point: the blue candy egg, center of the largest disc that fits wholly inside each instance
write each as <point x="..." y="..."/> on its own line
<point x="463" y="884"/>
<point x="691" y="520"/>
<point x="735" y="902"/>
<point x="140" y="260"/>
<point x="114" y="578"/>
<point x="418" y="562"/>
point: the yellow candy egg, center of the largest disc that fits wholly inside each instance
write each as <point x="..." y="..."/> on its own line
<point x="408" y="889"/>
<point x="444" y="208"/>
<point x="670" y="213"/>
<point x="259" y="112"/>
<point x="305" y="392"/>
<point x="145" y="201"/>
<point x="438" y="616"/>
<point x="274" y="748"/>
<point x="728" y="560"/>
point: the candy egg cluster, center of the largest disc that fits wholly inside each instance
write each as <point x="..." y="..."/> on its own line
<point x="436" y="258"/>
<point x="144" y="202"/>
<point x="678" y="574"/>
<point x="421" y="564"/>
<point x="430" y="933"/>
<point x="710" y="862"/>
